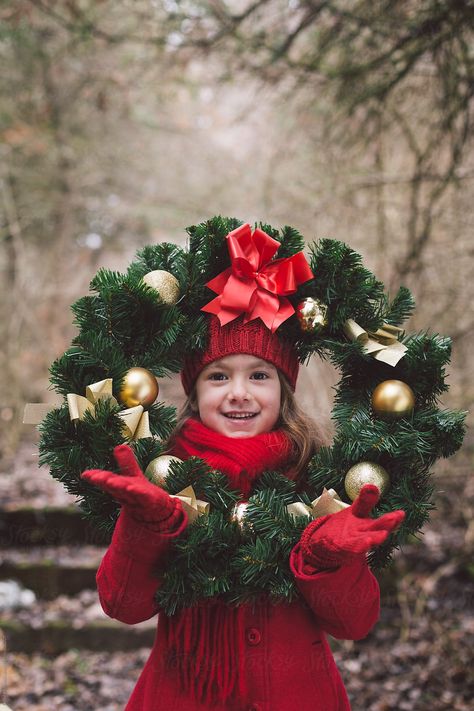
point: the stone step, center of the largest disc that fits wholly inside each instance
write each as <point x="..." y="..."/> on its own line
<point x="71" y="622"/>
<point x="58" y="637"/>
<point x="52" y="570"/>
<point x="27" y="526"/>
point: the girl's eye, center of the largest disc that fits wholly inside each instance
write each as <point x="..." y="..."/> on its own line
<point x="216" y="376"/>
<point x="260" y="375"/>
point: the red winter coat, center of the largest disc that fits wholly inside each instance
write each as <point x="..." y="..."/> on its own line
<point x="288" y="665"/>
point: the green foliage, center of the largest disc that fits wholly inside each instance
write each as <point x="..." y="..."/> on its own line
<point x="291" y="241"/>
<point x="217" y="557"/>
<point x="343" y="283"/>
<point x="207" y="248"/>
<point x="165" y="256"/>
<point x="401" y="307"/>
<point x="124" y="323"/>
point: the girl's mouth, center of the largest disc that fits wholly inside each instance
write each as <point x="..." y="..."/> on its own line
<point x="240" y="415"/>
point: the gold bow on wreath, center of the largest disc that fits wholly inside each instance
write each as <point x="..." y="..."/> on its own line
<point x="328" y="503"/>
<point x="135" y="420"/>
<point x="194" y="507"/>
<point x="382" y="344"/>
<point x="79" y="405"/>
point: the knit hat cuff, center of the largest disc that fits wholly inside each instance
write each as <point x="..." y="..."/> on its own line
<point x="252" y="338"/>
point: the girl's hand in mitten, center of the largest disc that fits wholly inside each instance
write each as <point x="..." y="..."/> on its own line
<point x="146" y="502"/>
<point x="342" y="538"/>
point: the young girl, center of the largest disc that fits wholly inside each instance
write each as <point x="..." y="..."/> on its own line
<point x="242" y="419"/>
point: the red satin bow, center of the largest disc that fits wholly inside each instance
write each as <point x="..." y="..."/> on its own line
<point x="253" y="284"/>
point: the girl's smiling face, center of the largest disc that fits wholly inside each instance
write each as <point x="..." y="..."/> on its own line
<point x="239" y="395"/>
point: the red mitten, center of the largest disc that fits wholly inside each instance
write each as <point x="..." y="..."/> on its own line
<point x="146" y="502"/>
<point x="342" y="538"/>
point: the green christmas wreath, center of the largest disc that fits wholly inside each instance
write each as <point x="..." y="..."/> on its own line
<point x="126" y="323"/>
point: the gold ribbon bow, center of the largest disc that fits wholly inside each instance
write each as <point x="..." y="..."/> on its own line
<point x="135" y="420"/>
<point x="79" y="405"/>
<point x="194" y="507"/>
<point x="328" y="503"/>
<point x="382" y="344"/>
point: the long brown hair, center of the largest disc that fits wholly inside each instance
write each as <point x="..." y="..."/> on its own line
<point x="303" y="432"/>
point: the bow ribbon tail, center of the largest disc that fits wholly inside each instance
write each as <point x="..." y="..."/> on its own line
<point x="272" y="310"/>
<point x="35" y="412"/>
<point x="135" y="422"/>
<point x="218" y="283"/>
<point x="78" y="406"/>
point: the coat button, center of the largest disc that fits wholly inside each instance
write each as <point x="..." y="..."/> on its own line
<point x="253" y="636"/>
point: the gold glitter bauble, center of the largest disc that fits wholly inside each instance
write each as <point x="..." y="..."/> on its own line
<point x="139" y="387"/>
<point x="312" y="315"/>
<point x="158" y="469"/>
<point x="165" y="284"/>
<point x="238" y="515"/>
<point x="393" y="399"/>
<point x="365" y="473"/>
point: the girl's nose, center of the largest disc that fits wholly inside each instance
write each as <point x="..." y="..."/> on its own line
<point x="238" y="391"/>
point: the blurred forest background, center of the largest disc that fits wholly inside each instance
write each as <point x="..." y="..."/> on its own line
<point x="124" y="121"/>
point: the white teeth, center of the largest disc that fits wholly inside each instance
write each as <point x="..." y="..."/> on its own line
<point x="241" y="417"/>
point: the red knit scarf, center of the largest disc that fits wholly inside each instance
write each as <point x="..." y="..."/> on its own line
<point x="206" y="642"/>
<point x="242" y="459"/>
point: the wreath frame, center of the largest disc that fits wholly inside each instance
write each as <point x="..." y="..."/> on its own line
<point x="124" y="323"/>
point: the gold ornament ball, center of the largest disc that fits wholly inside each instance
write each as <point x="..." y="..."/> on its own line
<point x="139" y="387"/>
<point x="165" y="284"/>
<point x="393" y="399"/>
<point x="158" y="469"/>
<point x="365" y="473"/>
<point x="312" y="315"/>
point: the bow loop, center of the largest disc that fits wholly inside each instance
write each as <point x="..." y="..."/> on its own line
<point x="250" y="252"/>
<point x="254" y="285"/>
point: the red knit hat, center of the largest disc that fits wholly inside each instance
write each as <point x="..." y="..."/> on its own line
<point x="252" y="338"/>
<point x="251" y="304"/>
